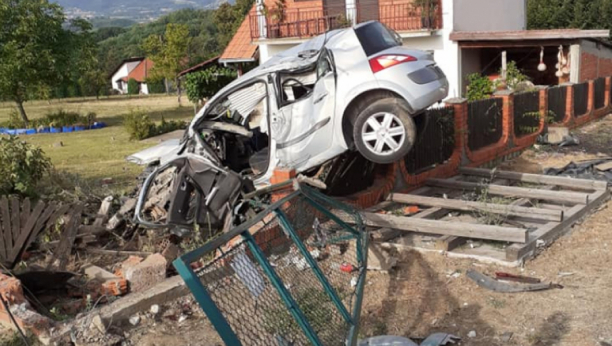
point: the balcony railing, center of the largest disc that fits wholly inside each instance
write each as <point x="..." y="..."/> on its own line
<point x="306" y="22"/>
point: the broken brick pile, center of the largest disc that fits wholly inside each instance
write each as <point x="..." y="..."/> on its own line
<point x="27" y="319"/>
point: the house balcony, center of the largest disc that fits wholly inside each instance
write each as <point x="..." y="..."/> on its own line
<point x="308" y="22"/>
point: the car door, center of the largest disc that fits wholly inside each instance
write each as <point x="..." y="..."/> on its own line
<point x="308" y="122"/>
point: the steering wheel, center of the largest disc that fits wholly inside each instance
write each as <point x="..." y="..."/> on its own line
<point x="308" y="89"/>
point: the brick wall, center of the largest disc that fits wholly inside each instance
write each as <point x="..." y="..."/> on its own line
<point x="593" y="67"/>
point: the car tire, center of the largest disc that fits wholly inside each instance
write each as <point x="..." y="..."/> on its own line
<point x="384" y="132"/>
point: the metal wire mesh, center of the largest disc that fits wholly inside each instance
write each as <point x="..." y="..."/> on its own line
<point x="485" y="122"/>
<point x="526" y="113"/>
<point x="436" y="141"/>
<point x="581" y="99"/>
<point x="557" y="103"/>
<point x="306" y="248"/>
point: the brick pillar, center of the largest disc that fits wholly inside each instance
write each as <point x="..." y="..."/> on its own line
<point x="508" y="114"/>
<point x="607" y="93"/>
<point x="461" y="128"/>
<point x="591" y="98"/>
<point x="569" y="105"/>
<point x="543" y="107"/>
<point x="281" y="175"/>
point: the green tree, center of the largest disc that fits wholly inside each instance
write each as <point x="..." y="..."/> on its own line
<point x="169" y="52"/>
<point x="205" y="84"/>
<point x="33" y="50"/>
<point x="228" y="18"/>
<point x="133" y="87"/>
<point x="579" y="14"/>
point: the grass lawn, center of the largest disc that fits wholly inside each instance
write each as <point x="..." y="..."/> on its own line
<point x="99" y="154"/>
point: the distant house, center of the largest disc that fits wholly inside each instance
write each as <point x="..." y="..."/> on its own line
<point x="137" y="68"/>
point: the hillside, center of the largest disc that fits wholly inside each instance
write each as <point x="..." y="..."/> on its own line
<point x="141" y="11"/>
<point x="116" y="44"/>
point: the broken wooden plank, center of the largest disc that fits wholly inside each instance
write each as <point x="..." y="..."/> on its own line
<point x="118" y="253"/>
<point x="64" y="249"/>
<point x="508" y="210"/>
<point x="604" y="166"/>
<point x="515" y="235"/>
<point x="102" y="216"/>
<point x="41" y="223"/>
<point x="7" y="231"/>
<point x="511" y="191"/>
<point x="26" y="231"/>
<point x="536" y="178"/>
<point x="26" y="209"/>
<point x="15" y="218"/>
<point x="380" y="206"/>
<point x="553" y="230"/>
<point x="449" y="242"/>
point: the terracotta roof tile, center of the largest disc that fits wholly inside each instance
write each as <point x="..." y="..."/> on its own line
<point x="140" y="72"/>
<point x="240" y="47"/>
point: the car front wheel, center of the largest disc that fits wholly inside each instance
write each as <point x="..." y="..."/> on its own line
<point x="384" y="132"/>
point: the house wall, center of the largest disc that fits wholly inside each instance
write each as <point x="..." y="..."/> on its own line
<point x="490" y="15"/>
<point x="446" y="51"/>
<point x="144" y="89"/>
<point x="595" y="60"/>
<point x="124" y="71"/>
<point x="470" y="63"/>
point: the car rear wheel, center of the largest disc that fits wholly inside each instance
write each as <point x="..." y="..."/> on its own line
<point x="384" y="132"/>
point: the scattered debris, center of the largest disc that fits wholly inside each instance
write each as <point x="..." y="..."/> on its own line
<point x="379" y="259"/>
<point x="472" y="334"/>
<point x="134" y="320"/>
<point x="564" y="274"/>
<point x="154" y="309"/>
<point x="516" y="278"/>
<point x="558" y="135"/>
<point x="96" y="322"/>
<point x="144" y="274"/>
<point x="585" y="170"/>
<point x="505" y="337"/>
<point x="497" y="286"/>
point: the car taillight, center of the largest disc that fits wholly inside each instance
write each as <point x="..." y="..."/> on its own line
<point x="382" y="62"/>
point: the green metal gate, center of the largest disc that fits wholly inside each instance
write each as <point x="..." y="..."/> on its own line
<point x="292" y="275"/>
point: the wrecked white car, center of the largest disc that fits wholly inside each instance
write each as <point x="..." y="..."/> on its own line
<point x="353" y="91"/>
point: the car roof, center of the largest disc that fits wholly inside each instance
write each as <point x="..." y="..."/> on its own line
<point x="288" y="60"/>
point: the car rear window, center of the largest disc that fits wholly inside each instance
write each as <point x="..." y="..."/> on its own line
<point x="375" y="38"/>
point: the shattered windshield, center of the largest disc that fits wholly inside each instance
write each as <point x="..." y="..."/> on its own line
<point x="238" y="106"/>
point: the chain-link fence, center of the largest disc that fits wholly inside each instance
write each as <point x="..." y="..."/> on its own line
<point x="293" y="275"/>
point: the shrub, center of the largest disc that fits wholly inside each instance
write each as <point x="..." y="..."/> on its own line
<point x="514" y="76"/>
<point x="22" y="166"/>
<point x="156" y="86"/>
<point x="479" y="87"/>
<point x="14" y="122"/>
<point x="63" y="118"/>
<point x="204" y="84"/>
<point x="133" y="87"/>
<point x="138" y="125"/>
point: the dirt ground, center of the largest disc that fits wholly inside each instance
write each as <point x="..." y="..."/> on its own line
<point x="429" y="293"/>
<point x="421" y="296"/>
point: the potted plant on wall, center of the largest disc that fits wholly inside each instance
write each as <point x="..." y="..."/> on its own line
<point x="428" y="10"/>
<point x="274" y="17"/>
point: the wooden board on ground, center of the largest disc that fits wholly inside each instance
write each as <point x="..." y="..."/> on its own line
<point x="19" y="226"/>
<point x="542" y="213"/>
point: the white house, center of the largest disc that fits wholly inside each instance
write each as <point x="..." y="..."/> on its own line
<point x="443" y="27"/>
<point x="136" y="68"/>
